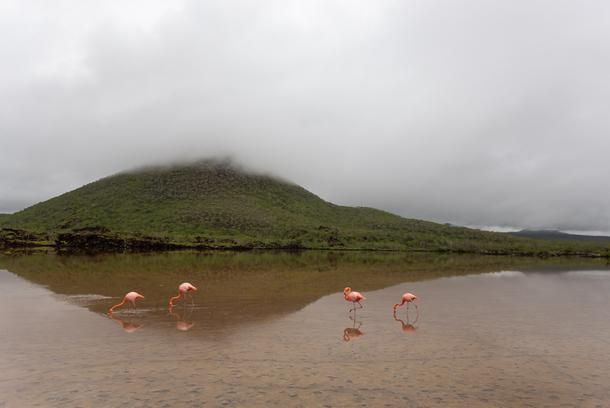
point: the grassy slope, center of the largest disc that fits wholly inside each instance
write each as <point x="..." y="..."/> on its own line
<point x="211" y="201"/>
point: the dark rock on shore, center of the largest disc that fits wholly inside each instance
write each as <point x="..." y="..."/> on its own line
<point x="86" y="239"/>
<point x="12" y="237"/>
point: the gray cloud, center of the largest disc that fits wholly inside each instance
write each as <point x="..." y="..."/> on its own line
<point x="470" y="112"/>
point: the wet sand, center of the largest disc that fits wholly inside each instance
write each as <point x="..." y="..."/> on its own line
<point x="505" y="338"/>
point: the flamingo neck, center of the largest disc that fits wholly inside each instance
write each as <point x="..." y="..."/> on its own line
<point x="117" y="305"/>
<point x="171" y="300"/>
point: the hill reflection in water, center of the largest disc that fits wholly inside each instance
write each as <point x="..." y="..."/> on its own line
<point x="240" y="287"/>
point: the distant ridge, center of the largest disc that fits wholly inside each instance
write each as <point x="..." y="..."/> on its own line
<point x="558" y="235"/>
<point x="218" y="204"/>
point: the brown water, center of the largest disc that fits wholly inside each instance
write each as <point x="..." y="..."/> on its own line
<point x="273" y="330"/>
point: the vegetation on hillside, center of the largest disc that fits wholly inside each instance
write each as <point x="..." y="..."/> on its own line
<point x="214" y="204"/>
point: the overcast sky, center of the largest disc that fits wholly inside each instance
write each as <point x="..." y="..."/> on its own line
<point x="479" y="113"/>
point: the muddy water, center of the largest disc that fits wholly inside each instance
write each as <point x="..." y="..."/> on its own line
<point x="273" y="330"/>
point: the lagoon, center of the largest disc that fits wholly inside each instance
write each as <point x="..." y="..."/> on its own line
<point x="272" y="329"/>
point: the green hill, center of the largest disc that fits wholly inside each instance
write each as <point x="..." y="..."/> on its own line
<point x="217" y="204"/>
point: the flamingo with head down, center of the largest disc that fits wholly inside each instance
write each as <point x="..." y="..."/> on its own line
<point x="406" y="298"/>
<point x="183" y="290"/>
<point x="131" y="297"/>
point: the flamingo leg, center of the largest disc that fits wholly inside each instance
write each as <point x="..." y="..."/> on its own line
<point x="360" y="305"/>
<point x="192" y="301"/>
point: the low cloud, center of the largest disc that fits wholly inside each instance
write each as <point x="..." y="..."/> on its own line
<point x="473" y="112"/>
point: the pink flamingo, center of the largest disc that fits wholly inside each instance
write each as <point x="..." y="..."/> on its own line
<point x="131" y="297"/>
<point x="406" y="298"/>
<point x="183" y="290"/>
<point x="354" y="297"/>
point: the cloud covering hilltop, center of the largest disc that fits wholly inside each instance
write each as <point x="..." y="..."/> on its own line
<point x="470" y="112"/>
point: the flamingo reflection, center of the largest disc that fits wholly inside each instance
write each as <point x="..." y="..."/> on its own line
<point x="183" y="322"/>
<point x="353" y="332"/>
<point x="128" y="327"/>
<point x="407" y="327"/>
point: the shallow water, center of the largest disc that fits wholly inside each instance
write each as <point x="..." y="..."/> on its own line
<point x="272" y="329"/>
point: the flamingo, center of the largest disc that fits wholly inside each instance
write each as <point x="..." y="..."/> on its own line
<point x="183" y="289"/>
<point x="406" y="298"/>
<point x="131" y="297"/>
<point x="354" y="297"/>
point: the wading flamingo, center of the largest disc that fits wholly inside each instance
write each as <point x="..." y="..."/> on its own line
<point x="406" y="298"/>
<point x="354" y="297"/>
<point x="184" y="289"/>
<point x="131" y="297"/>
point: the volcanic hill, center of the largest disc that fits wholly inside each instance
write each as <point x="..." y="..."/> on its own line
<point x="217" y="204"/>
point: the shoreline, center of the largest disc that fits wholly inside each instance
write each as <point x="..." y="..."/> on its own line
<point x="172" y="247"/>
<point x="101" y="240"/>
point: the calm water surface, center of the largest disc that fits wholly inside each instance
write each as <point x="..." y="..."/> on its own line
<point x="272" y="329"/>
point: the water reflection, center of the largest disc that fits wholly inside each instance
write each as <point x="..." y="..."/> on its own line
<point x="407" y="327"/>
<point x="285" y="343"/>
<point x="353" y="332"/>
<point x="183" y="318"/>
<point x="269" y="284"/>
<point x="127" y="325"/>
